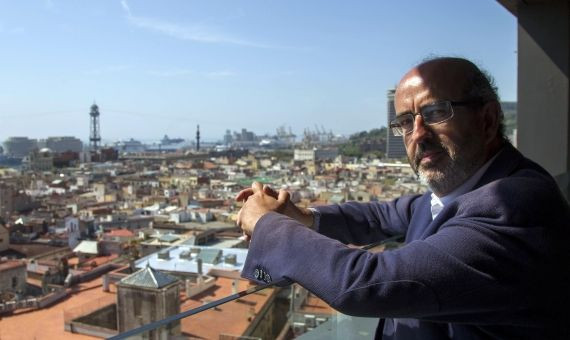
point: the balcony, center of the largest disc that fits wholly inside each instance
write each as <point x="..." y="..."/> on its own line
<point x="283" y="313"/>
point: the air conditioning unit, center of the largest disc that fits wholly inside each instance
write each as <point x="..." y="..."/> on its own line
<point x="299" y="328"/>
<point x="310" y="320"/>
<point x="185" y="255"/>
<point x="164" y="255"/>
<point x="230" y="259"/>
<point x="320" y="321"/>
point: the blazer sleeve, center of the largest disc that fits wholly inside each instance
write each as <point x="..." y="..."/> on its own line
<point x="363" y="223"/>
<point x="470" y="271"/>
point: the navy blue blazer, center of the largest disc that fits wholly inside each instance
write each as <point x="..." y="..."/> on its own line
<point x="494" y="264"/>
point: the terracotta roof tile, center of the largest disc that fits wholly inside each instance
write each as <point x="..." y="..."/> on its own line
<point x="11" y="264"/>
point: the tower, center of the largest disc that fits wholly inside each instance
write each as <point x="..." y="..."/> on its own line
<point x="395" y="144"/>
<point x="198" y="138"/>
<point x="94" y="132"/>
<point x="145" y="296"/>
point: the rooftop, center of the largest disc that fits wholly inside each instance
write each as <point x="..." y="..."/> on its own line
<point x="11" y="264"/>
<point x="148" y="278"/>
<point x="87" y="247"/>
<point x="48" y="323"/>
<point x="120" y="233"/>
<point x="178" y="260"/>
<point x="230" y="318"/>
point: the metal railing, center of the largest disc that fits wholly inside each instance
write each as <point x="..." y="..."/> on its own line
<point x="160" y="323"/>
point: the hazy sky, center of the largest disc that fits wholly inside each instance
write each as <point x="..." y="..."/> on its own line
<point x="161" y="67"/>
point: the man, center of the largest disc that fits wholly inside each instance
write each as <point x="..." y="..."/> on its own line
<point x="485" y="252"/>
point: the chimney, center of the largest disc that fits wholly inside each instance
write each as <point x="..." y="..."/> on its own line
<point x="199" y="261"/>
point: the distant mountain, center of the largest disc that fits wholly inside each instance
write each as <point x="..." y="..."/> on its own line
<point x="365" y="143"/>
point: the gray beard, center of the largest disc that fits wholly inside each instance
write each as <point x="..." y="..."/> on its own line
<point x="462" y="164"/>
<point x="450" y="177"/>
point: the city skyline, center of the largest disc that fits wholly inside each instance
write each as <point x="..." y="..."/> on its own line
<point x="156" y="70"/>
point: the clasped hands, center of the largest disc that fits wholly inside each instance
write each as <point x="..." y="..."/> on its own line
<point x="262" y="199"/>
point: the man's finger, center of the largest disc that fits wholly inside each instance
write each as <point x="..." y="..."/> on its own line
<point x="244" y="194"/>
<point x="238" y="219"/>
<point x="256" y="187"/>
<point x="270" y="191"/>
<point x="283" y="196"/>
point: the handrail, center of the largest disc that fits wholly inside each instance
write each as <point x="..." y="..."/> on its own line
<point x="166" y="321"/>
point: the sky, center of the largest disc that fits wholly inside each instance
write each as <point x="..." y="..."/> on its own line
<point x="163" y="67"/>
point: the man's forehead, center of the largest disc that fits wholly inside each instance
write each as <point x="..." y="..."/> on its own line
<point x="411" y="88"/>
<point x="411" y="80"/>
<point x="428" y="81"/>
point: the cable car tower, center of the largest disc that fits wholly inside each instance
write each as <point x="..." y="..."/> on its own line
<point x="94" y="131"/>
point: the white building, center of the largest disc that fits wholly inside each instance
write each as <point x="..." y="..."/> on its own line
<point x="19" y="146"/>
<point x="62" y="144"/>
<point x="131" y="145"/>
<point x="41" y="160"/>
<point x="304" y="155"/>
<point x="180" y="216"/>
<point x="315" y="154"/>
<point x="72" y="230"/>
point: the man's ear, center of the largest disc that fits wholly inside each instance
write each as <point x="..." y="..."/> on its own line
<point x="491" y="115"/>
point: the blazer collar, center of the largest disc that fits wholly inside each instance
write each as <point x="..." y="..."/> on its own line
<point x="507" y="162"/>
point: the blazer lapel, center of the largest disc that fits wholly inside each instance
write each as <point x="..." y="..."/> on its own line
<point x="420" y="219"/>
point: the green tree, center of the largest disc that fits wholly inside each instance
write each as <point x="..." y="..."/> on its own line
<point x="365" y="143"/>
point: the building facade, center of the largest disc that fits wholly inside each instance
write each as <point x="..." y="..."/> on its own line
<point x="41" y="160"/>
<point x="12" y="276"/>
<point x="304" y="155"/>
<point x="4" y="238"/>
<point x="60" y="144"/>
<point x="19" y="146"/>
<point x="13" y="200"/>
<point x="146" y="296"/>
<point x="394" y="144"/>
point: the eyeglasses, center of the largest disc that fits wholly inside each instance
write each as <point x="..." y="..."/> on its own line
<point x="432" y="114"/>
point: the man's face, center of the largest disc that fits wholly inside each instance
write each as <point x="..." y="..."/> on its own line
<point x="444" y="155"/>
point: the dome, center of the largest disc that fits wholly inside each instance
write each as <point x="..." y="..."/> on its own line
<point x="45" y="150"/>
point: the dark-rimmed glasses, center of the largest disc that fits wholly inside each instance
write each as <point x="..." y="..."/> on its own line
<point x="432" y="114"/>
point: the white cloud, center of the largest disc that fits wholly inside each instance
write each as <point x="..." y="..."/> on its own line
<point x="171" y="73"/>
<point x="194" y="32"/>
<point x="221" y="74"/>
<point x="126" y="7"/>
<point x="107" y="69"/>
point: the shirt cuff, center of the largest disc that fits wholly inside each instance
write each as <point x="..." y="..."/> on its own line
<point x="316" y="218"/>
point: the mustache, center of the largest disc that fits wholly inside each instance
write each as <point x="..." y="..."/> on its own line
<point x="427" y="147"/>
